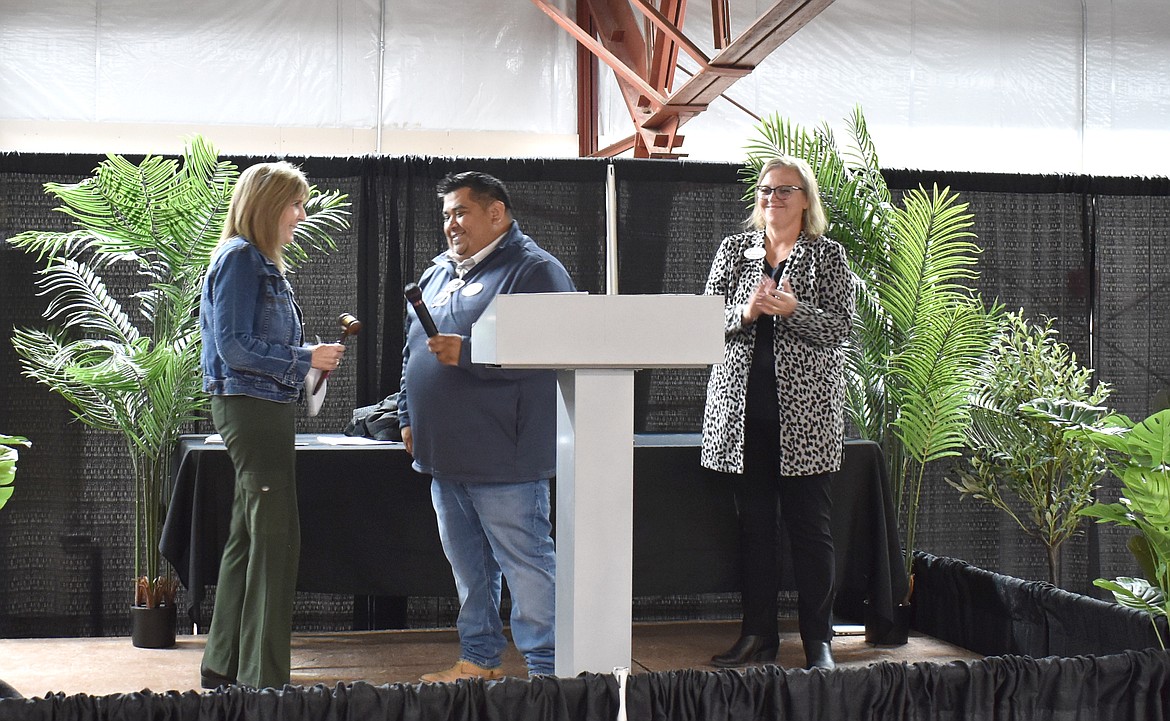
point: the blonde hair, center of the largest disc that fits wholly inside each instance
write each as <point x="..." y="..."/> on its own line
<point x="814" y="222"/>
<point x="260" y="197"/>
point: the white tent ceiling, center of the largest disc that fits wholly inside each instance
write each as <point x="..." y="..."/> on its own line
<point x="1048" y="86"/>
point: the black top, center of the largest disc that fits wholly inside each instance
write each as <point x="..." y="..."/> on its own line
<point x="762" y="404"/>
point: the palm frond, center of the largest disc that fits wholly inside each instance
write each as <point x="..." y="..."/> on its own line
<point x="867" y="366"/>
<point x="196" y="221"/>
<point x="863" y="157"/>
<point x="52" y="245"/>
<point x="934" y="381"/>
<point x="994" y="424"/>
<point x="92" y="375"/>
<point x="80" y="300"/>
<point x="161" y="209"/>
<point x="932" y="258"/>
<point x="327" y="215"/>
<point x="118" y="203"/>
<point x="856" y="198"/>
<point x="172" y="376"/>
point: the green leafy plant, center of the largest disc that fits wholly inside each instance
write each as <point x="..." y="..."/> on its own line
<point x="1028" y="468"/>
<point x="920" y="330"/>
<point x="8" y="456"/>
<point x="1139" y="455"/>
<point x="132" y="365"/>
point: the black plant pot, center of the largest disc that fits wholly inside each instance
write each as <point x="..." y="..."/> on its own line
<point x="153" y="627"/>
<point x="886" y="632"/>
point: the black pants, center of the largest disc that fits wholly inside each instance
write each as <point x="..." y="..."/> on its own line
<point x="803" y="504"/>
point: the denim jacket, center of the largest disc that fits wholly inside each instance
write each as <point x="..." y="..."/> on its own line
<point x="251" y="327"/>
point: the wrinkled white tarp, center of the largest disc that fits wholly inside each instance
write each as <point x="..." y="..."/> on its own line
<point x="997" y="86"/>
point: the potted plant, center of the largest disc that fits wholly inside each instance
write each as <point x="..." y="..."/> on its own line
<point x="1139" y="455"/>
<point x="131" y="365"/>
<point x="8" y="456"/>
<point x="1017" y="461"/>
<point x="920" y="330"/>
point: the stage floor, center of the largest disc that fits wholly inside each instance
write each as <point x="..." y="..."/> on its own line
<point x="102" y="666"/>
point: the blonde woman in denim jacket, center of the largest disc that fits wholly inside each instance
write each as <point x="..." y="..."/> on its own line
<point x="254" y="366"/>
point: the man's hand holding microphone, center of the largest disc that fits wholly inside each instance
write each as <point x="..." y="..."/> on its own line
<point x="445" y="346"/>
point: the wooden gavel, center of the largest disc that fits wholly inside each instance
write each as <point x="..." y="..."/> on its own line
<point x="349" y="326"/>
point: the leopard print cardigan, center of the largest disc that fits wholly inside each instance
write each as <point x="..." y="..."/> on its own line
<point x="809" y="347"/>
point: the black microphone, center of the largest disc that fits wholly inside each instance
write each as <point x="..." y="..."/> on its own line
<point x="414" y="295"/>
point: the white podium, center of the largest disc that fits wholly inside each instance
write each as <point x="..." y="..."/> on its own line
<point x="596" y="342"/>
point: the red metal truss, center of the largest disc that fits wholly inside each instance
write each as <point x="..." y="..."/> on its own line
<point x="643" y="54"/>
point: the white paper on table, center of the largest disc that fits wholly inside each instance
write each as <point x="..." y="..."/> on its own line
<point x="314" y="401"/>
<point x="217" y="439"/>
<point x="351" y="441"/>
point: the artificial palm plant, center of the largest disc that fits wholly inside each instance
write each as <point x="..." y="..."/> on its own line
<point x="131" y="365"/>
<point x="920" y="330"/>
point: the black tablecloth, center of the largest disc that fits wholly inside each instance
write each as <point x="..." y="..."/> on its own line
<point x="367" y="525"/>
<point x="686" y="538"/>
<point x="368" y="528"/>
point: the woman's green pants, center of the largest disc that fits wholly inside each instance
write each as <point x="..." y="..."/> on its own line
<point x="251" y="626"/>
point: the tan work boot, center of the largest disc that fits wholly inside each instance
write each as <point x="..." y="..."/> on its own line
<point x="464" y="669"/>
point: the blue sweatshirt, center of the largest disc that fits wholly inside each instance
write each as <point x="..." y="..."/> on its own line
<point x="475" y="423"/>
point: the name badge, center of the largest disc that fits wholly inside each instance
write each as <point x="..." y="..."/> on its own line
<point x="754" y="253"/>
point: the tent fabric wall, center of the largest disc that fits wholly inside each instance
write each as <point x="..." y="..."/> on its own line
<point x="1002" y="86"/>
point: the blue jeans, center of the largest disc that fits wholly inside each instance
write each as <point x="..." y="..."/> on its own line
<point x="494" y="529"/>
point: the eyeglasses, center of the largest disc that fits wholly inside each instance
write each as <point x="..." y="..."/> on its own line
<point x="782" y="191"/>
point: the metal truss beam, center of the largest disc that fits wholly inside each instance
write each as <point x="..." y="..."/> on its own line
<point x="644" y="56"/>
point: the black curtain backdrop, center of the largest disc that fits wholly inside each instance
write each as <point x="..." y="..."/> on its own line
<point x="1081" y="249"/>
<point x="668" y="233"/>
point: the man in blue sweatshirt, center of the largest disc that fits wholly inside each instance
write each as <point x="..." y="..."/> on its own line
<point x="486" y="436"/>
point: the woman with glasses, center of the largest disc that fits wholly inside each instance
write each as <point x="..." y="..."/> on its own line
<point x="774" y="419"/>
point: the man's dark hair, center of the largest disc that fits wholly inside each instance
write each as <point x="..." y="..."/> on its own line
<point x="484" y="188"/>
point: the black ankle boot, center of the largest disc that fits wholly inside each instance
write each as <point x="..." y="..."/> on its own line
<point x="211" y="680"/>
<point x="748" y="649"/>
<point x="818" y="654"/>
